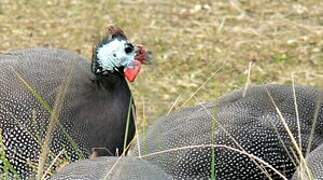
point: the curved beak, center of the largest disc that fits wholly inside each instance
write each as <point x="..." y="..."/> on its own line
<point x="144" y="56"/>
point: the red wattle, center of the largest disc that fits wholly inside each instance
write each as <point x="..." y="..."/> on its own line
<point x="132" y="72"/>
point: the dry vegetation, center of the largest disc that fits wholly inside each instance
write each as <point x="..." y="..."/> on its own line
<point x="190" y="40"/>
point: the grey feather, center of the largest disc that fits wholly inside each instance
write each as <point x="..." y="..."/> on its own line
<point x="112" y="168"/>
<point x="252" y="121"/>
<point x="94" y="113"/>
<point x="314" y="162"/>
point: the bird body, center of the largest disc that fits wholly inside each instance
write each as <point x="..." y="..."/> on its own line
<point x="314" y="162"/>
<point x="237" y="137"/>
<point x="112" y="168"/>
<point x="56" y="104"/>
<point x="93" y="114"/>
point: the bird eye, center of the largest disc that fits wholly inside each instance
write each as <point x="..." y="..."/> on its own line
<point x="128" y="48"/>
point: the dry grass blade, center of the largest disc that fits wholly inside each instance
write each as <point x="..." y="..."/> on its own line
<point x="218" y="146"/>
<point x="134" y="114"/>
<point x="53" y="120"/>
<point x="130" y="112"/>
<point x="47" y="107"/>
<point x="52" y="164"/>
<point x="316" y="114"/>
<point x="221" y="25"/>
<point x="286" y="38"/>
<point x="117" y="161"/>
<point x="176" y="31"/>
<point x="32" y="91"/>
<point x="303" y="167"/>
<point x="173" y="105"/>
<point x="297" y="114"/>
<point x="299" y="152"/>
<point x="235" y="4"/>
<point x="34" y="135"/>
<point x="248" y="79"/>
<point x="235" y="141"/>
<point x="144" y="124"/>
<point x="112" y="168"/>
<point x="203" y="84"/>
<point x="285" y="147"/>
<point x="7" y="167"/>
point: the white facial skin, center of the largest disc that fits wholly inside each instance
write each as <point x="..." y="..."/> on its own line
<point x="112" y="55"/>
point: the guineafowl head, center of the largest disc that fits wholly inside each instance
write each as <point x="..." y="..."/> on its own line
<point x="115" y="54"/>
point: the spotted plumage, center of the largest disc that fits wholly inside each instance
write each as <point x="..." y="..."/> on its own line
<point x="23" y="117"/>
<point x="112" y="168"/>
<point x="93" y="114"/>
<point x="248" y="123"/>
<point x="314" y="162"/>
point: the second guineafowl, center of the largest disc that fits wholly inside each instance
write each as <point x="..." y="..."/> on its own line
<point x="238" y="137"/>
<point x="112" y="168"/>
<point x="313" y="168"/>
<point x="91" y="102"/>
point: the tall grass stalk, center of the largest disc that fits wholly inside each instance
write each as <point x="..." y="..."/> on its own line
<point x="297" y="114"/>
<point x="316" y="114"/>
<point x="173" y="105"/>
<point x="294" y="142"/>
<point x="144" y="128"/>
<point x="203" y="84"/>
<point x="266" y="164"/>
<point x="134" y="112"/>
<point x="52" y="164"/>
<point x="130" y="108"/>
<point x="48" y="108"/>
<point x="248" y="79"/>
<point x="236" y="142"/>
<point x="35" y="136"/>
<point x="213" y="138"/>
<point x="53" y="120"/>
<point x="284" y="145"/>
<point x="7" y="167"/>
<point x="117" y="161"/>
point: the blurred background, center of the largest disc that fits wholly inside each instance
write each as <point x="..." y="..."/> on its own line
<point x="202" y="49"/>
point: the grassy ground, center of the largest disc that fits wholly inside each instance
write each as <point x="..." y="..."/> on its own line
<point x="190" y="40"/>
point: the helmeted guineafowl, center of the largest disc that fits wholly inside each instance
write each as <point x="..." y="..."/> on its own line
<point x="235" y="125"/>
<point x="314" y="162"/>
<point x="94" y="107"/>
<point x="111" y="168"/>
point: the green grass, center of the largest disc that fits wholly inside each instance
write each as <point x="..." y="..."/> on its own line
<point x="190" y="40"/>
<point x="7" y="167"/>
